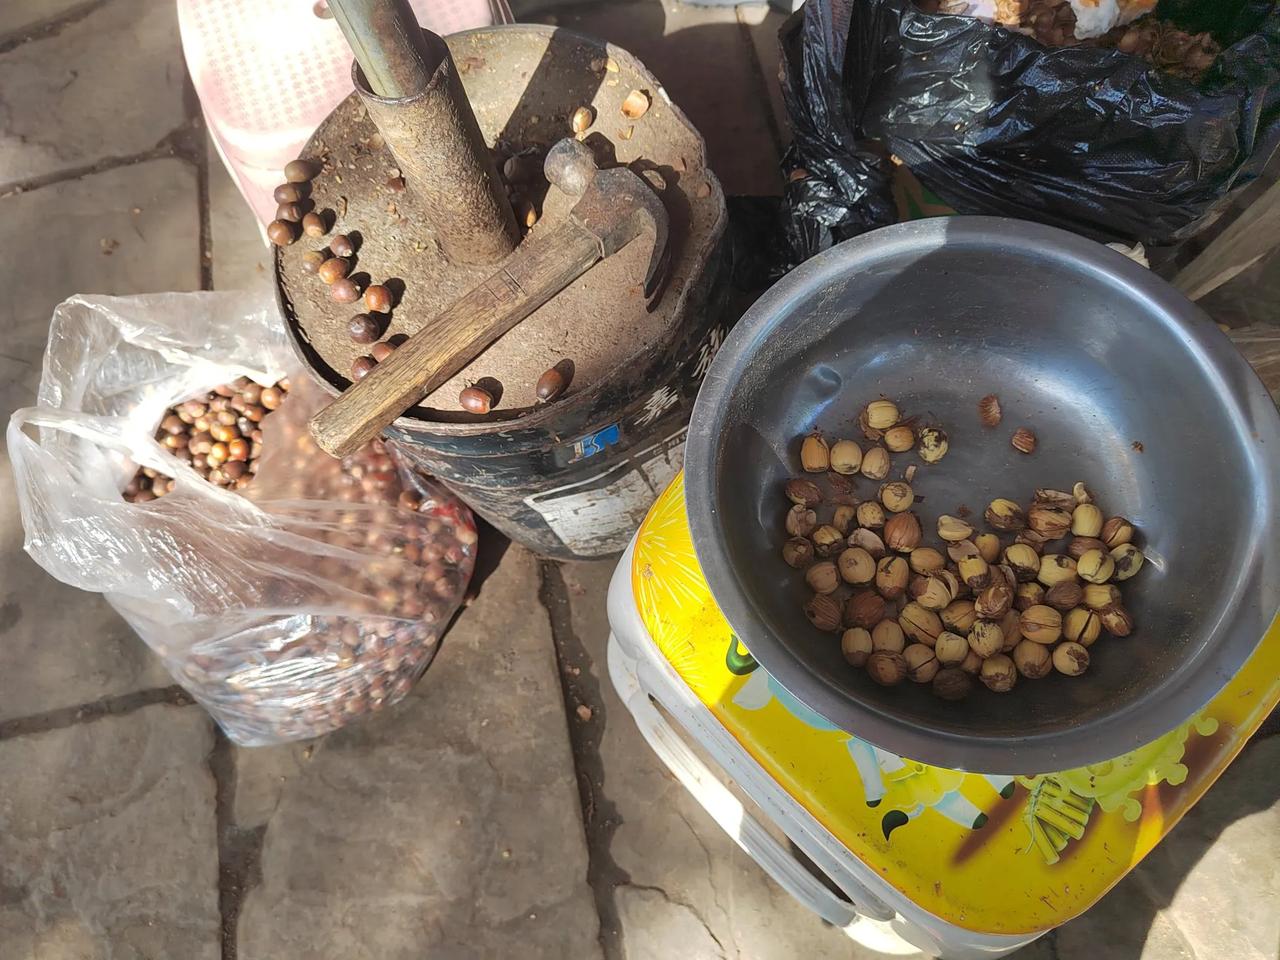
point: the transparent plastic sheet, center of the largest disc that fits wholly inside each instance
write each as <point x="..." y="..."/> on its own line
<point x="1093" y="140"/>
<point x="314" y="595"/>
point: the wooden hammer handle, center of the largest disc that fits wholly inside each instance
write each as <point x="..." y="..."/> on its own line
<point x="535" y="273"/>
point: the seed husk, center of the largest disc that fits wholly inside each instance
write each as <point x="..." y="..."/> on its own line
<point x="846" y="457"/>
<point x="887" y="635"/>
<point x="855" y="646"/>
<point x="1116" y="531"/>
<point x="801" y="520"/>
<point x="960" y="616"/>
<point x="1127" y="560"/>
<point x="1081" y="625"/>
<point x="856" y="565"/>
<point x="1056" y="568"/>
<point x="962" y="548"/>
<point x="815" y="457"/>
<point x="1070" y="659"/>
<point x="902" y="532"/>
<point x="1004" y="514"/>
<point x="875" y="463"/>
<point x="1095" y="567"/>
<point x="1099" y="596"/>
<point x="823" y="612"/>
<point x="865" y="608"/>
<point x="989" y="410"/>
<point x="994" y="601"/>
<point x="932" y="593"/>
<point x="897" y="496"/>
<point x="797" y="552"/>
<point x="843" y="518"/>
<point x="1033" y="660"/>
<point x="951" y="683"/>
<point x="887" y="669"/>
<point x="1023" y="440"/>
<point x="999" y="674"/>
<point x="953" y="529"/>
<point x="1023" y="560"/>
<point x="1065" y="595"/>
<point x="1048" y="520"/>
<point x="1041" y="624"/>
<point x="975" y="572"/>
<point x="803" y="491"/>
<point x="922" y="665"/>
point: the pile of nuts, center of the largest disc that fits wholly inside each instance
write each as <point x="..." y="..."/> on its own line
<point x="996" y="605"/>
<point x="219" y="434"/>
<point x="396" y="560"/>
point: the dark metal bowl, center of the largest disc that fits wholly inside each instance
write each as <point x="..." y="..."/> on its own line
<point x="1129" y="387"/>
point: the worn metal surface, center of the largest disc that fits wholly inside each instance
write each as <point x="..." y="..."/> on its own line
<point x="388" y="44"/>
<point x="524" y="83"/>
<point x="614" y="207"/>
<point x="1097" y="356"/>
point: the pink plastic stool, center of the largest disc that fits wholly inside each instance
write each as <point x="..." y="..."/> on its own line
<point x="268" y="71"/>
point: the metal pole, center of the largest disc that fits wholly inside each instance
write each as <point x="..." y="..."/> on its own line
<point x="388" y="44"/>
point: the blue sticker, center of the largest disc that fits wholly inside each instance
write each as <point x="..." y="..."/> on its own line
<point x="595" y="443"/>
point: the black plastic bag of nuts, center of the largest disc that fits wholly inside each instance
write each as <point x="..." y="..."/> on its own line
<point x="1099" y="141"/>
<point x="167" y="465"/>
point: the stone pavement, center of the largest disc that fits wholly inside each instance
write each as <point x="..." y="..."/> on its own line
<point x="487" y="815"/>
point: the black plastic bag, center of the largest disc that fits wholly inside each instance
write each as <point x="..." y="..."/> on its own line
<point x="1085" y="138"/>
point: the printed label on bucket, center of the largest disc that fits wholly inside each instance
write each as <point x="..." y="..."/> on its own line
<point x="592" y="516"/>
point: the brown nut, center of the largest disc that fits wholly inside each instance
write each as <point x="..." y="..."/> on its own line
<point x="823" y="612"/>
<point x="1056" y="568"/>
<point x="855" y="646"/>
<point x="921" y="625"/>
<point x="986" y="639"/>
<point x="999" y="674"/>
<point x="334" y="269"/>
<point x="887" y="635"/>
<point x="887" y="669"/>
<point x="1078" y="547"/>
<point x="922" y="665"/>
<point x="1033" y="660"/>
<point x="994" y="601"/>
<point x="870" y="514"/>
<point x="856" y="565"/>
<point x="1116" y="620"/>
<point x="892" y="574"/>
<point x="804" y="492"/>
<point x="1028" y="595"/>
<point x="902" y="532"/>
<point x="875" y="463"/>
<point x="1049" y="521"/>
<point x="846" y="457"/>
<point x="1082" y="626"/>
<point x="822" y="577"/>
<point x="897" y="496"/>
<point x="1071" y="659"/>
<point x="314" y="225"/>
<point x="1116" y="531"/>
<point x="865" y="608"/>
<point x="554" y="381"/>
<point x="972" y="664"/>
<point x="1023" y="440"/>
<point x="951" y="684"/>
<point x="989" y="410"/>
<point x="797" y="552"/>
<point x="815" y="457"/>
<point x="926" y="560"/>
<point x="1011" y="627"/>
<point x="1063" y="596"/>
<point x="951" y="649"/>
<point x="282" y="232"/>
<point x="801" y="521"/>
<point x="827" y="540"/>
<point x="1041" y="624"/>
<point x="960" y="616"/>
<point x="1023" y="560"/>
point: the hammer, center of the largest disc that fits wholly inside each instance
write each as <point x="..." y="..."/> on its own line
<point x="614" y="207"/>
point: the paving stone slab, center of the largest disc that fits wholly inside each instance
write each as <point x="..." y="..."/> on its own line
<point x="690" y="886"/>
<point x="107" y="85"/>
<point x="20" y="16"/>
<point x="108" y="846"/>
<point x="763" y="23"/>
<point x="241" y="260"/>
<point x="448" y="827"/>
<point x="706" y="62"/>
<point x="63" y="646"/>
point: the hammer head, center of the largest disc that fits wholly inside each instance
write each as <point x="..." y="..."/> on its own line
<point x="615" y="206"/>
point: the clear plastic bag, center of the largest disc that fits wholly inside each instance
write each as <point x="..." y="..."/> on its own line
<point x="312" y="596"/>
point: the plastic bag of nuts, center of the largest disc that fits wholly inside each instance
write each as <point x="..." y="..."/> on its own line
<point x="290" y="598"/>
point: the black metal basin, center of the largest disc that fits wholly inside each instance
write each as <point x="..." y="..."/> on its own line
<point x="1097" y="356"/>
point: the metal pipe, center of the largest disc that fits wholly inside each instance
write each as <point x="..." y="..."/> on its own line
<point x="388" y="44"/>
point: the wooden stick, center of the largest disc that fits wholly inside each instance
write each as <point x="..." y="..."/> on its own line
<point x="534" y="274"/>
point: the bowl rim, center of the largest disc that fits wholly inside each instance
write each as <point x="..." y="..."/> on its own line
<point x="1102" y="738"/>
